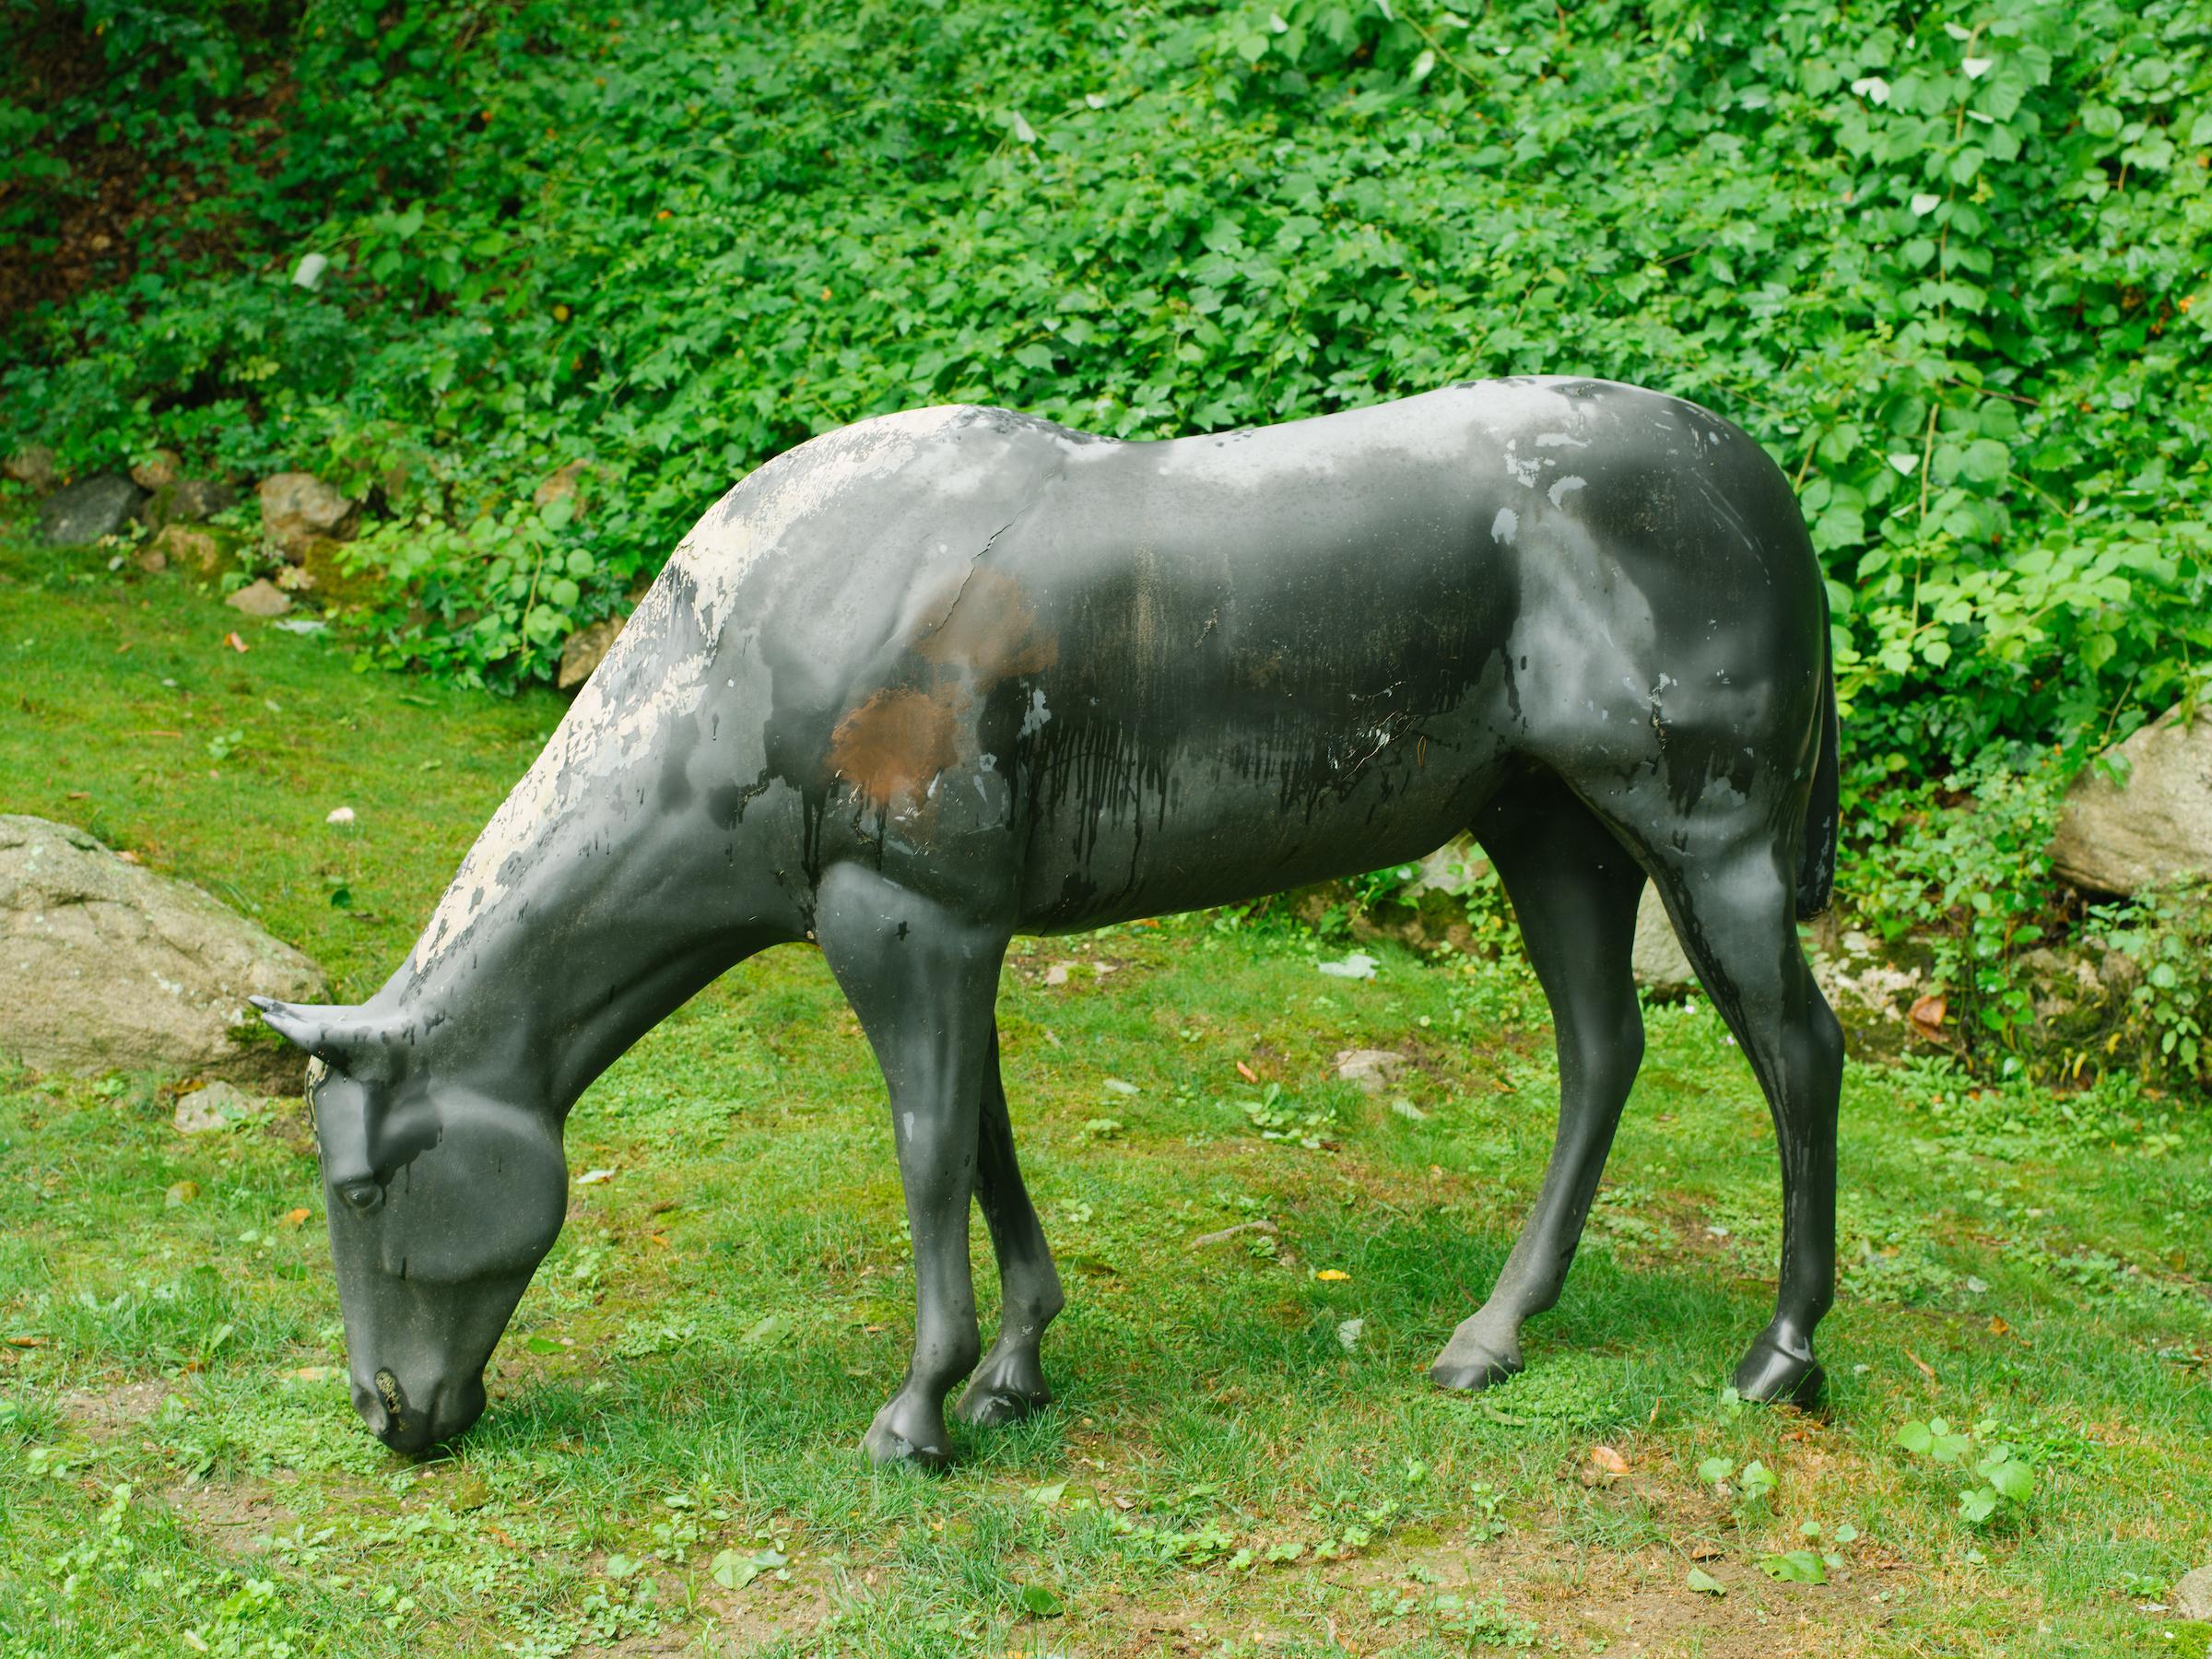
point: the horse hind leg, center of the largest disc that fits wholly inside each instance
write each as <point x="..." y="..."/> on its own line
<point x="1732" y="897"/>
<point x="1574" y="891"/>
<point x="1009" y="1385"/>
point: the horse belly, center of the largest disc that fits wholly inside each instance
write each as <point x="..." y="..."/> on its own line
<point x="1235" y="815"/>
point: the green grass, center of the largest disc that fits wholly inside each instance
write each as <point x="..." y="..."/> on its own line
<point x="689" y="1378"/>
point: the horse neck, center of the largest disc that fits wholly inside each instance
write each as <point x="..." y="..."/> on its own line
<point x="601" y="896"/>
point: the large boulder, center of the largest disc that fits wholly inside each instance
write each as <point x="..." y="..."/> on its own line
<point x="1449" y="869"/>
<point x="299" y="511"/>
<point x="2157" y="827"/>
<point x="582" y="651"/>
<point x="88" y="510"/>
<point x="104" y="964"/>
<point x="186" y="501"/>
<point x="1657" y="957"/>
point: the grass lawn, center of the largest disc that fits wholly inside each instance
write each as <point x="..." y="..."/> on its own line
<point x="1244" y="1460"/>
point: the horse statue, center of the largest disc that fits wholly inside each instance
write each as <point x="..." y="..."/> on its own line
<point x="942" y="678"/>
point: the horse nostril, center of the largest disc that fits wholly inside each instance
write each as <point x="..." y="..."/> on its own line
<point x="363" y="1195"/>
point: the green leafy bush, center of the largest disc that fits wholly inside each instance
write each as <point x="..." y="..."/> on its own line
<point x="1966" y="868"/>
<point x="2168" y="935"/>
<point x="1945" y="263"/>
<point x="1948" y="264"/>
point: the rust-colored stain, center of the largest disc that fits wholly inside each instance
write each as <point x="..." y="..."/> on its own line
<point x="894" y="743"/>
<point x="990" y="632"/>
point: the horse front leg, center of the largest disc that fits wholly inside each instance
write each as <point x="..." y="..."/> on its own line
<point x="922" y="978"/>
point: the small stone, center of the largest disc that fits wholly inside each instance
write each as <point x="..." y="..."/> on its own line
<point x="340" y="815"/>
<point x="217" y="1106"/>
<point x="299" y="510"/>
<point x="262" y="598"/>
<point x="158" y="471"/>
<point x="87" y="509"/>
<point x="152" y="560"/>
<point x="585" y="650"/>
<point x="187" y="548"/>
<point x="1369" y="1068"/>
<point x="562" y="485"/>
<point x="2193" y="1596"/>
<point x="32" y="466"/>
<point x="1227" y="1233"/>
<point x="180" y="1195"/>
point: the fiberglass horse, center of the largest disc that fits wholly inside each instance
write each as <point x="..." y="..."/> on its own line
<point x="942" y="678"/>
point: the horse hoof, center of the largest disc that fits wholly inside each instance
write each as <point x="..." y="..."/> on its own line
<point x="1008" y="1388"/>
<point x="995" y="1407"/>
<point x="1771" y="1375"/>
<point x="1463" y="1367"/>
<point x="889" y="1449"/>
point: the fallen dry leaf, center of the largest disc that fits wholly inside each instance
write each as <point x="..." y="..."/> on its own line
<point x="1332" y="1275"/>
<point x="1246" y="1073"/>
<point x="236" y="643"/>
<point x="1927" y="1012"/>
<point x="1607" y="1460"/>
<point x="1926" y="1369"/>
<point x="292" y="1217"/>
<point x="1997" y="1328"/>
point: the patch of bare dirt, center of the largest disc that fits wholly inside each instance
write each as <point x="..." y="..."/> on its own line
<point x="229" y="1516"/>
<point x="106" y="1412"/>
<point x="741" y="1622"/>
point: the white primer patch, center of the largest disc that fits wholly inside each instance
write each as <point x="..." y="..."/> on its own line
<point x="751" y="520"/>
<point x="1523" y="473"/>
<point x="1505" y="526"/>
<point x="1561" y="487"/>
<point x="1553" y="440"/>
<point x="593" y="740"/>
<point x="1037" y="716"/>
<point x="597" y="738"/>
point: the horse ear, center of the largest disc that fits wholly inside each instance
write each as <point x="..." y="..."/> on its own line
<point x="304" y="1026"/>
<point x="365" y="1050"/>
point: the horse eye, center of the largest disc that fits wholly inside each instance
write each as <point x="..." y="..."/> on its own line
<point x="363" y="1195"/>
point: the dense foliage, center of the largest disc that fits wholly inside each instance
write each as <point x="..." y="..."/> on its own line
<point x="1948" y="262"/>
<point x="1942" y="261"/>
